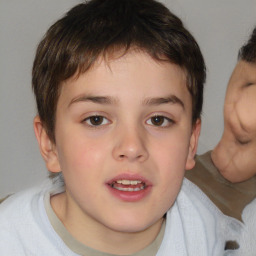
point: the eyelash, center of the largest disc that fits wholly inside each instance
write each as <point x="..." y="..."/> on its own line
<point x="165" y="122"/>
<point x="103" y="121"/>
<point x="156" y="120"/>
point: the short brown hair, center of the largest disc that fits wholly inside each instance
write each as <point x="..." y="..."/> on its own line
<point x="97" y="27"/>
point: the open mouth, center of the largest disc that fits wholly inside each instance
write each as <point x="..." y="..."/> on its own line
<point x="129" y="188"/>
<point x="128" y="185"/>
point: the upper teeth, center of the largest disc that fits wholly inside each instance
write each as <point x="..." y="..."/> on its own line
<point x="128" y="182"/>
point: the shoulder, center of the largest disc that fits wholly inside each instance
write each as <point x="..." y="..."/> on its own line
<point x="249" y="219"/>
<point x="248" y="232"/>
<point x="16" y="219"/>
<point x="23" y="220"/>
<point x="193" y="197"/>
<point x="22" y="209"/>
<point x="249" y="211"/>
<point x="24" y="225"/>
<point x="205" y="227"/>
<point x="26" y="200"/>
<point x="230" y="198"/>
<point x="17" y="203"/>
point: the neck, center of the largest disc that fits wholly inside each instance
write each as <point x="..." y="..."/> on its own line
<point x="91" y="233"/>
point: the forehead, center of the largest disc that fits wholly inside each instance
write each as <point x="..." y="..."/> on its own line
<point x="131" y="73"/>
<point x="134" y="61"/>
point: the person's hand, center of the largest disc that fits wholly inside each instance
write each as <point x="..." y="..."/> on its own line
<point x="235" y="154"/>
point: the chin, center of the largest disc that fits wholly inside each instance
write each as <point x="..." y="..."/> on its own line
<point x="131" y="224"/>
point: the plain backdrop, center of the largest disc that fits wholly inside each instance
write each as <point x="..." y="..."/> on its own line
<point x="220" y="27"/>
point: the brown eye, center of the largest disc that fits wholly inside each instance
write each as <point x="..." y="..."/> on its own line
<point x="96" y="120"/>
<point x="157" y="120"/>
<point x="160" y="121"/>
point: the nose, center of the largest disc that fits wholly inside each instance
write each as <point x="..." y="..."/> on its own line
<point x="130" y="145"/>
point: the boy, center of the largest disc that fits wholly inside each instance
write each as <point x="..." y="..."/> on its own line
<point x="119" y="88"/>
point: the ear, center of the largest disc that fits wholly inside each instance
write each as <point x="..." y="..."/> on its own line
<point x="46" y="146"/>
<point x="193" y="145"/>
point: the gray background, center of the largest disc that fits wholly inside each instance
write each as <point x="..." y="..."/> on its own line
<point x="220" y="27"/>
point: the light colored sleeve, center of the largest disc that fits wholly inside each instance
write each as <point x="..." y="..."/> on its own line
<point x="248" y="235"/>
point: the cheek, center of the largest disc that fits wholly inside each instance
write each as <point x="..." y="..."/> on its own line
<point x="171" y="160"/>
<point x="81" y="164"/>
<point x="80" y="155"/>
<point x="173" y="150"/>
<point x="171" y="166"/>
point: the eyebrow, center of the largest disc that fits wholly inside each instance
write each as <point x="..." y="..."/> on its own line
<point x="107" y="100"/>
<point x="171" y="99"/>
<point x="95" y="99"/>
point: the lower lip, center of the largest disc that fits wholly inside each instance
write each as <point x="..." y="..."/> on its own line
<point x="130" y="196"/>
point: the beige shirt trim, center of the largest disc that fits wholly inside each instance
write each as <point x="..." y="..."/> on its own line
<point x="81" y="249"/>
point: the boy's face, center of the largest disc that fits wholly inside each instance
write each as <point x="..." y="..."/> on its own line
<point x="124" y="138"/>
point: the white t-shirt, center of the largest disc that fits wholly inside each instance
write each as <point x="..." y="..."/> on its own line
<point x="248" y="233"/>
<point x="194" y="226"/>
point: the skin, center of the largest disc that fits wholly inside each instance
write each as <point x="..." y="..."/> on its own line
<point x="234" y="156"/>
<point x="127" y="92"/>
